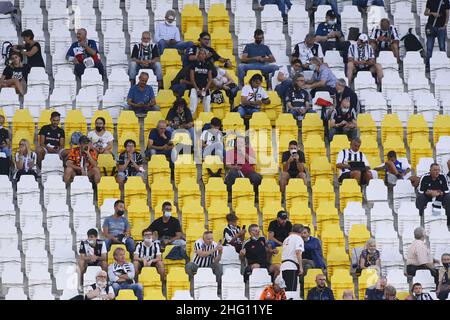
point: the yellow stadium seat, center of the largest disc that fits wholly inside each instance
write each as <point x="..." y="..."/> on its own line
<point x="340" y="282"/>
<point x="215" y="190"/>
<point x="221" y="38"/>
<point x="394" y="143"/>
<point x="242" y="189"/>
<point x="312" y="125"/>
<point x="247" y="213"/>
<point x="158" y="167"/>
<point x="169" y="264"/>
<point x="269" y="213"/>
<point x="227" y="54"/>
<point x="107" y="164"/>
<point x="193" y="213"/>
<point x="217" y="214"/>
<point x="321" y="168"/>
<point x="349" y="191"/>
<point x="218" y="230"/>
<point x="191" y="16"/>
<point x="326" y="214"/>
<point x="169" y="75"/>
<point x="314" y="147"/>
<point x="416" y="126"/>
<point x="251" y="73"/>
<point x="151" y="121"/>
<point x="134" y="189"/>
<point x="20" y="134"/>
<point x="276" y="258"/>
<point x="107" y="188"/>
<point x="193" y="232"/>
<point x="269" y="191"/>
<point x="213" y="163"/>
<point x="111" y="252"/>
<point x="44" y="117"/>
<point x="184" y="167"/>
<point x="339" y="143"/>
<point x="149" y="278"/>
<point x="165" y="99"/>
<point x="260" y="133"/>
<point x="23" y="120"/>
<point x="296" y="191"/>
<point x="170" y="59"/>
<point x="300" y="213"/>
<point x="222" y="109"/>
<point x="182" y="138"/>
<point x="286" y="124"/>
<point x="274" y="108"/>
<point x="323" y="190"/>
<point x="105" y="115"/>
<point x="368" y="278"/>
<point x="310" y="279"/>
<point x="369" y="146"/>
<point x="233" y="121"/>
<point x="75" y="121"/>
<point x="441" y="127"/>
<point x="331" y="237"/>
<point x="391" y="125"/>
<point x="188" y="189"/>
<point x="126" y="294"/>
<point x="402" y="295"/>
<point x="138" y="209"/>
<point x="127" y="122"/>
<point x="204" y="118"/>
<point x="192" y="33"/>
<point x="420" y="147"/>
<point x="366" y="124"/>
<point x="218" y="17"/>
<point x="152" y="294"/>
<point x="137" y="225"/>
<point x="177" y="279"/>
<point x="162" y="190"/>
<point x="267" y="166"/>
<point x="337" y="259"/>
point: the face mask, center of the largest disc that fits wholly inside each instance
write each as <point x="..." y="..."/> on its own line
<point x="345" y="110"/>
<point x="331" y="22"/>
<point x="101" y="284"/>
<point x="92" y="242"/>
<point x="167" y="214"/>
<point x="312" y="67"/>
<point x="255" y="238"/>
<point x="120" y="213"/>
<point x="148" y="241"/>
<point x="169" y="23"/>
<point x="446" y="265"/>
<point x="98" y="129"/>
<point x="258" y="41"/>
<point x="145" y="44"/>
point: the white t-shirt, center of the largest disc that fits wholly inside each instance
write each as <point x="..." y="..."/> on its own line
<point x="211" y="136"/>
<point x="102" y="141"/>
<point x="254" y="94"/>
<point x="220" y="79"/>
<point x="102" y="292"/>
<point x="291" y="244"/>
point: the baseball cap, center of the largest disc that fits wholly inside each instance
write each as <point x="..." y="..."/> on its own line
<point x="280" y="282"/>
<point x="363" y="37"/>
<point x="282" y="215"/>
<point x="331" y="14"/>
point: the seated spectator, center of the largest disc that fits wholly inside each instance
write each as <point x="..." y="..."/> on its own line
<point x="167" y="34"/>
<point x="130" y="164"/>
<point x="419" y="256"/>
<point x="376" y="292"/>
<point x="181" y="82"/>
<point x="313" y="254"/>
<point x="370" y="257"/>
<point x="201" y="81"/>
<point x="25" y="160"/>
<point x="240" y="162"/>
<point x="15" y="75"/>
<point x="443" y="289"/>
<point x="211" y="54"/>
<point x="31" y="49"/>
<point x="168" y="228"/>
<point x="390" y="293"/>
<point x="253" y="96"/>
<point x="343" y="121"/>
<point x="116" y="228"/>
<point x="180" y="118"/>
<point x="102" y="140"/>
<point x="82" y="161"/>
<point x="159" y="140"/>
<point x="92" y="253"/>
<point x="285" y="78"/>
<point x="293" y="165"/>
<point x="297" y="100"/>
<point x="275" y="291"/>
<point x="385" y="38"/>
<point x="434" y="188"/>
<point x="5" y="148"/>
<point x="212" y="139"/>
<point x="141" y="97"/>
<point x="223" y="81"/>
<point x="148" y="254"/>
<point x="330" y="36"/>
<point x="279" y="229"/>
<point x="396" y="170"/>
<point x="361" y="57"/>
<point x="291" y="257"/>
<point x="283" y="5"/>
<point x="256" y="56"/>
<point x="323" y="78"/>
<point x="51" y="139"/>
<point x="100" y="290"/>
<point x="332" y="3"/>
<point x="207" y="254"/>
<point x="145" y="55"/>
<point x="232" y="234"/>
<point x="257" y="252"/>
<point x="321" y="291"/>
<point x="418" y="294"/>
<point x="345" y="92"/>
<point x="353" y="154"/>
<point x="306" y="50"/>
<point x="348" y="295"/>
<point x="84" y="54"/>
<point x="121" y="274"/>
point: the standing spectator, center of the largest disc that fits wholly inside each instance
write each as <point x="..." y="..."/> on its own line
<point x="168" y="228"/>
<point x="330" y="36"/>
<point x="257" y="251"/>
<point x="283" y="5"/>
<point x="345" y="92"/>
<point x="297" y="100"/>
<point x="159" y="140"/>
<point x="275" y="291"/>
<point x="321" y="292"/>
<point x="348" y="295"/>
<point x="390" y="293"/>
<point x="180" y="118"/>
<point x="232" y="234"/>
<point x="141" y="97"/>
<point x="343" y="121"/>
<point x="443" y="289"/>
<point x="92" y="252"/>
<point x="418" y="294"/>
<point x="201" y="81"/>
<point x="31" y="50"/>
<point x="82" y="161"/>
<point x="361" y="57"/>
<point x="286" y="76"/>
<point x="291" y="258"/>
<point x="211" y="54"/>
<point x="51" y="138"/>
<point x="353" y="154"/>
<point x="370" y="257"/>
<point x="279" y="229"/>
<point x="223" y="81"/>
<point x="101" y="139"/>
<point x="385" y="37"/>
<point x="15" y="75"/>
<point x="256" y="56"/>
<point x="167" y="34"/>
<point x="376" y="292"/>
<point x="84" y="54"/>
<point x="130" y="164"/>
<point x="419" y="256"/>
<point x="323" y="78"/>
<point x="433" y="187"/>
<point x="293" y="165"/>
<point x="212" y="139"/>
<point x="25" y="160"/>
<point x="148" y="254"/>
<point x="145" y="55"/>
<point x="313" y="254"/>
<point x="436" y="27"/>
<point x="207" y="254"/>
<point x="306" y="50"/>
<point x="253" y="96"/>
<point x="100" y="290"/>
<point x="121" y="274"/>
<point x="116" y="228"/>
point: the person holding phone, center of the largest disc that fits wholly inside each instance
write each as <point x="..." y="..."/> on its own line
<point x="82" y="161"/>
<point x="293" y="165"/>
<point x="25" y="160"/>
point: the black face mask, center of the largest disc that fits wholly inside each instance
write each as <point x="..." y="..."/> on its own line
<point x="446" y="265"/>
<point x="258" y="41"/>
<point x="120" y="213"/>
<point x="98" y="129"/>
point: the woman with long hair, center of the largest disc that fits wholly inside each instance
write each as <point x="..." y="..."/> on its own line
<point x="25" y="160"/>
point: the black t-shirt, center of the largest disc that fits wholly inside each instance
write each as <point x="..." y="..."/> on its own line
<point x="348" y="93"/>
<point x="166" y="230"/>
<point x="201" y="70"/>
<point x="280" y="232"/>
<point x="158" y="141"/>
<point x="145" y="53"/>
<point x="293" y="166"/>
<point x="181" y="118"/>
<point x="4" y="135"/>
<point x="256" y="251"/>
<point x="137" y="158"/>
<point x="433" y="5"/>
<point x="426" y="183"/>
<point x="36" y="60"/>
<point x="297" y="97"/>
<point x="52" y="137"/>
<point x="16" y="73"/>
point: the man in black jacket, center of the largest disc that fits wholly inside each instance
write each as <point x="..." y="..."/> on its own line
<point x="321" y="292"/>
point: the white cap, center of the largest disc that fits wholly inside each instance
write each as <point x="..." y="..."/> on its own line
<point x="280" y="282"/>
<point x="363" y="37"/>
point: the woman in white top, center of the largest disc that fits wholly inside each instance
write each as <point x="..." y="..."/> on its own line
<point x="25" y="160"/>
<point x="101" y="139"/>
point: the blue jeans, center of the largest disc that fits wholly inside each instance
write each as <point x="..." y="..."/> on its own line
<point x="282" y="4"/>
<point x="135" y="67"/>
<point x="181" y="45"/>
<point x="264" y="68"/>
<point x="179" y="89"/>
<point x="273" y="244"/>
<point x="246" y="111"/>
<point x="129" y="244"/>
<point x="136" y="287"/>
<point x="282" y="88"/>
<point x="363" y="3"/>
<point x="6" y="150"/>
<point x="332" y="3"/>
<point x="80" y="67"/>
<point x="296" y="113"/>
<point x="441" y="34"/>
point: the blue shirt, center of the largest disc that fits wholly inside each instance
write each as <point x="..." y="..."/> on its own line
<point x="116" y="226"/>
<point x="323" y="29"/>
<point x="313" y="251"/>
<point x="76" y="49"/>
<point x="255" y="50"/>
<point x="141" y="96"/>
<point x="398" y="166"/>
<point x="325" y="74"/>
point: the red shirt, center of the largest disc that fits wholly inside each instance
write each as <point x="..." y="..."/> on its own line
<point x="247" y="161"/>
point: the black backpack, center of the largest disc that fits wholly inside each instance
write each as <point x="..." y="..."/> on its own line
<point x="411" y="42"/>
<point x="217" y="97"/>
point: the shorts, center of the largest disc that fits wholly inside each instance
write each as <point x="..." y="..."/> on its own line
<point x="123" y="175"/>
<point x="141" y="264"/>
<point x="293" y="174"/>
<point x="363" y="69"/>
<point x="93" y="264"/>
<point x="345" y="175"/>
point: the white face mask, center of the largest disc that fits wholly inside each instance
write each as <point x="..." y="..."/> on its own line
<point x="331" y="22"/>
<point x="170" y="23"/>
<point x="101" y="284"/>
<point x="345" y="110"/>
<point x="92" y="242"/>
<point x="167" y="214"/>
<point x="312" y="67"/>
<point x="148" y="241"/>
<point x="145" y="44"/>
<point x="255" y="238"/>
